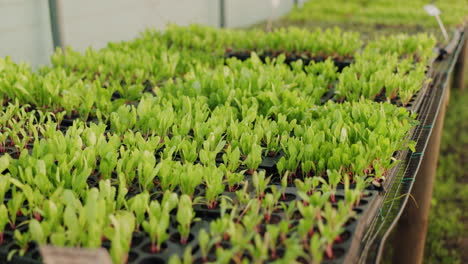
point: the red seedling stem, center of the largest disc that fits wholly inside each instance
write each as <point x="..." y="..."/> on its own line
<point x="329" y="251"/>
<point x="154" y="248"/>
<point x="38" y="216"/>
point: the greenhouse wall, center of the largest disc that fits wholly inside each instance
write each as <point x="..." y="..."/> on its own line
<point x="25" y="24"/>
<point x="241" y="13"/>
<point x="115" y="20"/>
<point x="25" y="30"/>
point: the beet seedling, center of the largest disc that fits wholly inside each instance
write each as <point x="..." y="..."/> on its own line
<point x="185" y="216"/>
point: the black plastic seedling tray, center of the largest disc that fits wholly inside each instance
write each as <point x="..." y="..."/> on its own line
<point x="364" y="235"/>
<point x="140" y="251"/>
<point x="394" y="200"/>
<point x="340" y="64"/>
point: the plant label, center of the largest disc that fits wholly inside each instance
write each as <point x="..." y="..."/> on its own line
<point x="274" y="4"/>
<point x="60" y="255"/>
<point x="432" y="10"/>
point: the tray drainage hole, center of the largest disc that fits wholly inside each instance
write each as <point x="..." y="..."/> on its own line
<point x="147" y="248"/>
<point x="296" y="215"/>
<point x="288" y="197"/>
<point x="357" y="210"/>
<point x="136" y="241"/>
<point x="302" y="260"/>
<point x="132" y="256"/>
<point x="153" y="260"/>
<point x="106" y="244"/>
<point x="175" y="238"/>
<point x="279" y="254"/>
<point x="363" y="202"/>
<point x="7" y="237"/>
<point x="350" y="221"/>
<point x="223" y="244"/>
<point x="343" y="237"/>
<point x="274" y="219"/>
<point x="338" y="198"/>
<point x="293" y="224"/>
<point x="35" y="254"/>
<point x="13" y="247"/>
<point x="195" y="249"/>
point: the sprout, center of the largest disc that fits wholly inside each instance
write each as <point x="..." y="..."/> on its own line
<point x="185" y="216"/>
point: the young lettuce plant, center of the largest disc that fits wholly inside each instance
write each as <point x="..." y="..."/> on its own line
<point x="120" y="234"/>
<point x="190" y="176"/>
<point x="231" y="158"/>
<point x="316" y="248"/>
<point x="165" y="175"/>
<point x="129" y="164"/>
<point x="39" y="231"/>
<point x="205" y="244"/>
<point x="233" y="179"/>
<point x="4" y="186"/>
<point x="138" y="205"/>
<point x="147" y="170"/>
<point x="22" y="240"/>
<point x="334" y="178"/>
<point x="259" y="249"/>
<point x="271" y="238"/>
<point x="254" y="158"/>
<point x="310" y="213"/>
<point x="333" y="228"/>
<point x="260" y="183"/>
<point x="270" y="203"/>
<point x="185" y="216"/>
<point x="14" y="206"/>
<point x="220" y="226"/>
<point x="210" y="150"/>
<point x="251" y="218"/>
<point x="309" y="185"/>
<point x="108" y="156"/>
<point x="4" y="219"/>
<point x="34" y="199"/>
<point x="294" y="150"/>
<point x="214" y="186"/>
<point x="125" y="118"/>
<point x="188" y="151"/>
<point x="157" y="224"/>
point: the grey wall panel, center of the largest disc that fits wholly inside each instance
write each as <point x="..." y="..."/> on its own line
<point x="25" y="26"/>
<point x="242" y="13"/>
<point x="94" y="23"/>
<point x="25" y="31"/>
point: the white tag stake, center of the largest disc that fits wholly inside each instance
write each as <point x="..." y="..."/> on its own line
<point x="274" y="5"/>
<point x="432" y="10"/>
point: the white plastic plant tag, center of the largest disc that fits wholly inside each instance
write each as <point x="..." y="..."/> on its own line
<point x="275" y="3"/>
<point x="432" y="10"/>
<point x="60" y="255"/>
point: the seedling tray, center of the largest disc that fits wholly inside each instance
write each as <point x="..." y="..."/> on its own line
<point x="394" y="200"/>
<point x="339" y="63"/>
<point x="356" y="241"/>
